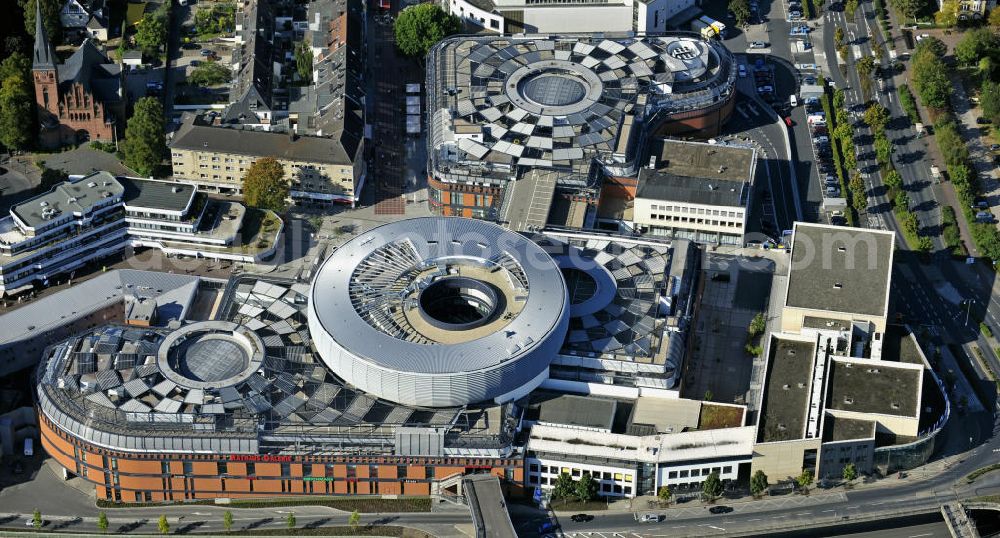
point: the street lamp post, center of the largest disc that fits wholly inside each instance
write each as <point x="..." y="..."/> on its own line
<point x="968" y="308"/>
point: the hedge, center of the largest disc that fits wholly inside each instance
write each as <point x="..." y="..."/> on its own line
<point x="909" y="103"/>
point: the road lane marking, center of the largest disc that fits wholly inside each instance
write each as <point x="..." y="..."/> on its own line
<point x="920" y="535"/>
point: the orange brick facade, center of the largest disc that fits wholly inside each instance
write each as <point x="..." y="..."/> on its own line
<point x="460" y="200"/>
<point x="127" y="477"/>
<point x="69" y="117"/>
<point x="475" y="201"/>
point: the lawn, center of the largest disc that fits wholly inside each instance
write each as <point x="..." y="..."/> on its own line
<point x="259" y="229"/>
<point x="715" y="417"/>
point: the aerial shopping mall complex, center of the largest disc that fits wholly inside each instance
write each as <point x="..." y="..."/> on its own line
<point x="429" y="349"/>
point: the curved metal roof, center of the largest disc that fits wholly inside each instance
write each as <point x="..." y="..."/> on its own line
<point x="430" y="239"/>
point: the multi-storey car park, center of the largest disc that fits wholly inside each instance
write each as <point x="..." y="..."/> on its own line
<point x="469" y="360"/>
<point x="524" y="126"/>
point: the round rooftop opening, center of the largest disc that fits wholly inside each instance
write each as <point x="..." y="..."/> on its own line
<point x="457" y="303"/>
<point x="210" y="357"/>
<point x="553" y="89"/>
<point x="579" y="284"/>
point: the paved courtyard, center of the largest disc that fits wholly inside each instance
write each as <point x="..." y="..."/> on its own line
<point x="731" y="293"/>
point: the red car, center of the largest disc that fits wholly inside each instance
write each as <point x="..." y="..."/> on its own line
<point x="788" y="121"/>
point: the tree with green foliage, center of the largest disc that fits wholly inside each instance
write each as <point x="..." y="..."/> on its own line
<point x="989" y="100"/>
<point x="876" y="116"/>
<point x="36" y="519"/>
<point x="102" y="522"/>
<point x="50" y="178"/>
<point x="151" y="31"/>
<point x="976" y="44"/>
<point x="304" y="62"/>
<point x="354" y="520"/>
<point x="947" y="16"/>
<point x="709" y="395"/>
<point x="265" y="186"/>
<point x="850" y="8"/>
<point x="901" y="201"/>
<point x="805" y="480"/>
<point x="163" y="525"/>
<point x="145" y="143"/>
<point x="987" y="67"/>
<point x="757" y="324"/>
<point x="933" y="45"/>
<point x="839" y="98"/>
<point x="865" y="67"/>
<point x="909" y="8"/>
<point x="909" y="103"/>
<point x="219" y="18"/>
<point x="419" y="27"/>
<point x="930" y="78"/>
<point x="50" y="15"/>
<point x="227" y="521"/>
<point x="664" y="494"/>
<point x="850" y="473"/>
<point x="586" y="488"/>
<point x="838" y="37"/>
<point x="210" y="74"/>
<point x="290" y="520"/>
<point x="758" y="483"/>
<point x="893" y="180"/>
<point x="883" y="149"/>
<point x="994" y="18"/>
<point x="16" y="102"/>
<point x="563" y="487"/>
<point x="711" y="488"/>
<point x="741" y="11"/>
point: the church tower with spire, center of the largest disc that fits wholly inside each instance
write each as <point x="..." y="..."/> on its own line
<point x="79" y="99"/>
<point x="46" y="79"/>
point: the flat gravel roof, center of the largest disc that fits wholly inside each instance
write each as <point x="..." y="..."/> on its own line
<point x="839" y="269"/>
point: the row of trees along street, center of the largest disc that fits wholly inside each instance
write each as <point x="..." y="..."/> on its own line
<point x="163" y="525"/>
<point x="976" y="56"/>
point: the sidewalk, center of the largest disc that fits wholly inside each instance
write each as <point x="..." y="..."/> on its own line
<point x="944" y="192"/>
<point x="817" y="495"/>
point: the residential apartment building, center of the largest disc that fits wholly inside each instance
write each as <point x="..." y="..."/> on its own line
<point x="92" y="217"/>
<point x="694" y="191"/>
<point x="85" y="18"/>
<point x="320" y="169"/>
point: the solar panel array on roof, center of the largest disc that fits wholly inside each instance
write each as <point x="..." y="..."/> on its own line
<point x="285" y="382"/>
<point x="108" y="379"/>
<point x="256" y="403"/>
<point x="289" y="405"/>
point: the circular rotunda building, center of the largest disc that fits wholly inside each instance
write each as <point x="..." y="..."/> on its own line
<point x="439" y="312"/>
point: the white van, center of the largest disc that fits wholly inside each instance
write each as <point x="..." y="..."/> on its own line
<point x="793" y="101"/>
